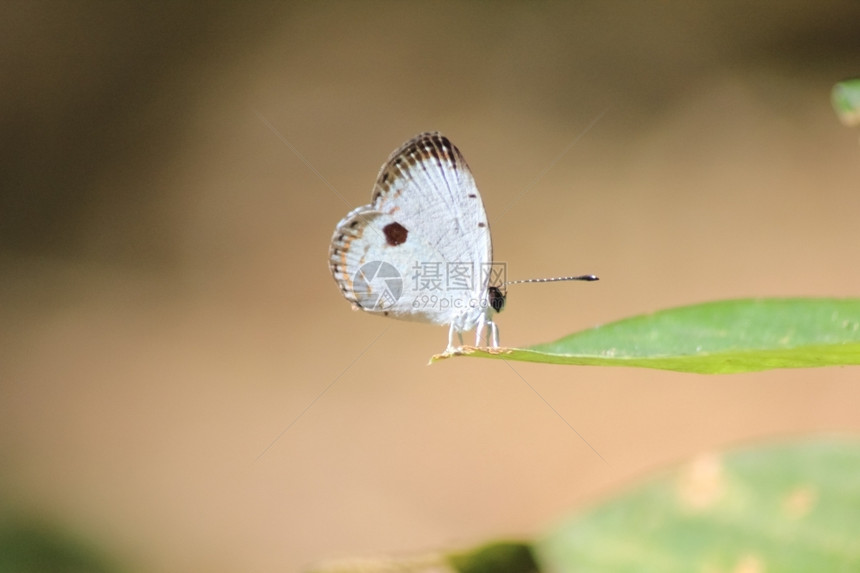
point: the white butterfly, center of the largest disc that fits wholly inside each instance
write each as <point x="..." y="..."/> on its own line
<point x="421" y="250"/>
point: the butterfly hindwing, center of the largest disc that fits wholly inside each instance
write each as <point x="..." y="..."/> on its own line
<point x="369" y="276"/>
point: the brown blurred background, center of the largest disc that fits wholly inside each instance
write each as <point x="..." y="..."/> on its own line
<point x="171" y="177"/>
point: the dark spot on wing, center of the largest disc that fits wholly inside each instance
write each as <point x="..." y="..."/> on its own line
<point x="395" y="234"/>
<point x="482" y="224"/>
<point x="472" y="196"/>
<point x="497" y="299"/>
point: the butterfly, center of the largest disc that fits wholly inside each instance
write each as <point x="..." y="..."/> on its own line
<point x="421" y="250"/>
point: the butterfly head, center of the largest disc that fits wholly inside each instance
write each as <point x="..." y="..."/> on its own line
<point x="497" y="298"/>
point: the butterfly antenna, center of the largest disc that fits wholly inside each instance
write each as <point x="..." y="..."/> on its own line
<point x="554" y="279"/>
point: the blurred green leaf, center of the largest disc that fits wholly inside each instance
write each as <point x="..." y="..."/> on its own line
<point x="781" y="508"/>
<point x="29" y="545"/>
<point x="496" y="557"/>
<point x="785" y="508"/>
<point x="846" y="101"/>
<point x="712" y="338"/>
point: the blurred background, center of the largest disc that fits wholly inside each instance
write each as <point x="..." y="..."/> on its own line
<point x="182" y="384"/>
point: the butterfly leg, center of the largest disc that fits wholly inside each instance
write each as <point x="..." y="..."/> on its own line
<point x="492" y="334"/>
<point x="479" y="330"/>
<point x="451" y="347"/>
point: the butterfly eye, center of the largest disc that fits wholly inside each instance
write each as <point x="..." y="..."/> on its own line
<point x="497" y="299"/>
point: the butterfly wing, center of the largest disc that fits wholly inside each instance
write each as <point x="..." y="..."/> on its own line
<point x="426" y="224"/>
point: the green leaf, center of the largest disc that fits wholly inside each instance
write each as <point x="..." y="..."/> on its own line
<point x="30" y="545"/>
<point x="495" y="557"/>
<point x="782" y="508"/>
<point x="785" y="508"/>
<point x="712" y="338"/>
<point x="846" y="101"/>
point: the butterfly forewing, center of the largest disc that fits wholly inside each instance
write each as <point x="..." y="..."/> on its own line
<point x="427" y="182"/>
